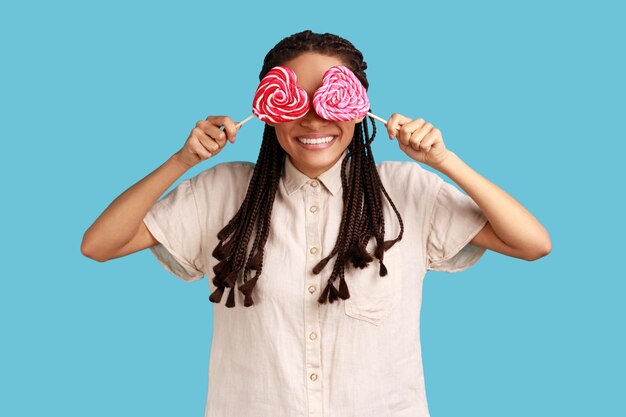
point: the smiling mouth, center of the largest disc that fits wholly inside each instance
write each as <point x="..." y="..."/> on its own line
<point x="315" y="141"/>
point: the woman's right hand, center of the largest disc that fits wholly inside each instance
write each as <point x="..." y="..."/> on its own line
<point x="207" y="139"/>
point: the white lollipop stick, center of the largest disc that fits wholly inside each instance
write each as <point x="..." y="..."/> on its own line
<point x="380" y="119"/>
<point x="238" y="125"/>
<point x="377" y="118"/>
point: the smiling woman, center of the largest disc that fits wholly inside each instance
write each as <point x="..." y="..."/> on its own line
<point x="301" y="63"/>
<point x="304" y="335"/>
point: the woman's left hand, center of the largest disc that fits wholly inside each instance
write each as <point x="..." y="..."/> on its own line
<point x="420" y="140"/>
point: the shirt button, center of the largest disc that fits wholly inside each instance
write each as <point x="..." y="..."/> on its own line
<point x="314" y="183"/>
<point x="313" y="377"/>
<point x="313" y="336"/>
<point x="311" y="289"/>
<point x="313" y="250"/>
<point x="313" y="209"/>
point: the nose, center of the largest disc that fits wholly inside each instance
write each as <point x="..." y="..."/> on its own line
<point x="311" y="119"/>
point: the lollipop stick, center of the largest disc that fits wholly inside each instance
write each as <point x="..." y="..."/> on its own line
<point x="238" y="125"/>
<point x="380" y="119"/>
<point x="377" y="118"/>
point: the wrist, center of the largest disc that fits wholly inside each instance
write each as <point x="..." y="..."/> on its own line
<point x="444" y="164"/>
<point x="179" y="163"/>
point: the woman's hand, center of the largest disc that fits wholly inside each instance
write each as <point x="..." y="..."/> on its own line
<point x="420" y="140"/>
<point x="207" y="139"/>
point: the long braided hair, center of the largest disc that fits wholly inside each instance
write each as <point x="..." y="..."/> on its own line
<point x="362" y="215"/>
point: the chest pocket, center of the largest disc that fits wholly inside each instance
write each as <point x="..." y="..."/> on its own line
<point x="372" y="297"/>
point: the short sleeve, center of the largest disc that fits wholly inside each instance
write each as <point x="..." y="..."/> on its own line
<point x="174" y="222"/>
<point x="454" y="221"/>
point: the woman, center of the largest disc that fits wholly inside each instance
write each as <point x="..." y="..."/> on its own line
<point x="309" y="218"/>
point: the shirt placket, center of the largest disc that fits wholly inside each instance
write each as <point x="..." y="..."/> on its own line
<point x="311" y="306"/>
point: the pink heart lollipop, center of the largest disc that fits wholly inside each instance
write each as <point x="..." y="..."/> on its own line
<point x="341" y="97"/>
<point x="278" y="98"/>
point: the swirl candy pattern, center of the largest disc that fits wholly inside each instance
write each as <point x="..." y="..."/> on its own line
<point x="341" y="97"/>
<point x="278" y="98"/>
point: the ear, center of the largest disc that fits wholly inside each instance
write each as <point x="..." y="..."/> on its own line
<point x="359" y="120"/>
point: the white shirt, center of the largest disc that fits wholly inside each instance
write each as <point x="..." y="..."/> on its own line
<point x="287" y="355"/>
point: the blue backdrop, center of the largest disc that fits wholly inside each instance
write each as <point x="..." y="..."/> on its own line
<point x="96" y="95"/>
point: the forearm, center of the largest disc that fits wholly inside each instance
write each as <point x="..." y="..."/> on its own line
<point x="119" y="222"/>
<point x="511" y="221"/>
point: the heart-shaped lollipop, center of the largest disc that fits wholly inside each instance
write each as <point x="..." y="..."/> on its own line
<point x="341" y="97"/>
<point x="278" y="98"/>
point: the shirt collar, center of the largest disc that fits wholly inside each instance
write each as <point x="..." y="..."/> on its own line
<point x="331" y="178"/>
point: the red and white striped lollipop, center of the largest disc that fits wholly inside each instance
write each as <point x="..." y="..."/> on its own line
<point x="278" y="98"/>
<point x="341" y="97"/>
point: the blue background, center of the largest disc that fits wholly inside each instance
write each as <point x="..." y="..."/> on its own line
<point x="96" y="95"/>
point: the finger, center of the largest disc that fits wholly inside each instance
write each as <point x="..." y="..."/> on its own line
<point x="208" y="130"/>
<point x="408" y="130"/>
<point x="201" y="151"/>
<point x="212" y="128"/>
<point x="205" y="126"/>
<point x="425" y="129"/>
<point x="217" y="134"/>
<point x="210" y="144"/>
<point x="198" y="132"/>
<point x="394" y="122"/>
<point x="414" y="141"/>
<point x="428" y="141"/>
<point x="230" y="128"/>
<point x="421" y="130"/>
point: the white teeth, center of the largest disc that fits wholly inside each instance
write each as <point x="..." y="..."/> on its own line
<point x="315" y="141"/>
